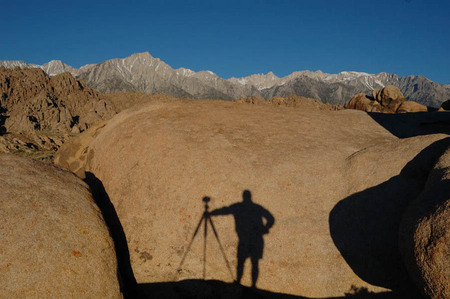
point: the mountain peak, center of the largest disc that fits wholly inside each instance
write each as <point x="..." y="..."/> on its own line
<point x="141" y="55"/>
<point x="260" y="81"/>
<point x="56" y="61"/>
<point x="185" y="72"/>
<point x="142" y="72"/>
<point x="55" y="67"/>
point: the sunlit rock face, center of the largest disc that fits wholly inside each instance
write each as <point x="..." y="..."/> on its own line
<point x="54" y="243"/>
<point x="335" y="182"/>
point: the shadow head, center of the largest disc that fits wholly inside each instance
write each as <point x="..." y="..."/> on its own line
<point x="247" y="196"/>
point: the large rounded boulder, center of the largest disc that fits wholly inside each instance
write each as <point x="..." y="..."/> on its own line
<point x="53" y="241"/>
<point x="389" y="97"/>
<point x="329" y="179"/>
<point x="425" y="232"/>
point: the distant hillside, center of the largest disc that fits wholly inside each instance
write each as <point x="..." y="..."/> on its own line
<point x="31" y="100"/>
<point x="143" y="73"/>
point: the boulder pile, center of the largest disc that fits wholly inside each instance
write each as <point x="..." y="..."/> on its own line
<point x="31" y="100"/>
<point x="388" y="99"/>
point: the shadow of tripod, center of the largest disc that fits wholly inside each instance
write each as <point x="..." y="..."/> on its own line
<point x="205" y="219"/>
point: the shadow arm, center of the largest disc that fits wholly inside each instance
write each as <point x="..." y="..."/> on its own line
<point x="221" y="211"/>
<point x="270" y="220"/>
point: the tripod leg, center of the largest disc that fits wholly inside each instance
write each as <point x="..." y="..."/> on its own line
<point x="204" y="246"/>
<point x="189" y="246"/>
<point x="220" y="245"/>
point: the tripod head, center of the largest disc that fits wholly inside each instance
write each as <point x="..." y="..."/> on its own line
<point x="206" y="199"/>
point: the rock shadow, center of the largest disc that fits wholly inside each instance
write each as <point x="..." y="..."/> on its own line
<point x="365" y="225"/>
<point x="198" y="288"/>
<point x="194" y="288"/>
<point x="214" y="289"/>
<point x="3" y="118"/>
<point x="405" y="125"/>
<point x="191" y="288"/>
<point x="126" y="277"/>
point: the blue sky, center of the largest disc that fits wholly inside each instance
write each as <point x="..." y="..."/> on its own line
<point x="236" y="38"/>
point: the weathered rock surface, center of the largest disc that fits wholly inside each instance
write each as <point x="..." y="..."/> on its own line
<point x="388" y="99"/>
<point x="410" y="106"/>
<point x="362" y="102"/>
<point x="425" y="230"/>
<point x="290" y="101"/>
<point x="73" y="156"/>
<point x="33" y="144"/>
<point x="53" y="241"/>
<point x="255" y="100"/>
<point x="388" y="94"/>
<point x="365" y="225"/>
<point x="124" y="100"/>
<point x="309" y="168"/>
<point x="31" y="100"/>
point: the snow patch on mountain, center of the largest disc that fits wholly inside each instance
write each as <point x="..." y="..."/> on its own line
<point x="184" y="72"/>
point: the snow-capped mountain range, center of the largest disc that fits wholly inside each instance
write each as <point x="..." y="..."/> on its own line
<point x="143" y="73"/>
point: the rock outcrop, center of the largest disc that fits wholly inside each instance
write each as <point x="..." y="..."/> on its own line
<point x="410" y="106"/>
<point x="254" y="100"/>
<point x="31" y="100"/>
<point x="389" y="96"/>
<point x="290" y="101"/>
<point x="158" y="161"/>
<point x="388" y="99"/>
<point x="53" y="241"/>
<point x="425" y="230"/>
<point x="362" y="102"/>
<point x="35" y="144"/>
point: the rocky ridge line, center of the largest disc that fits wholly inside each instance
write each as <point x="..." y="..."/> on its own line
<point x="143" y="73"/>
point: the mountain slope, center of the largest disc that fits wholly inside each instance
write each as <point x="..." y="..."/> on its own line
<point x="143" y="73"/>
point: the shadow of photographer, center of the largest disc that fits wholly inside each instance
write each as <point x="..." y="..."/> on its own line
<point x="252" y="222"/>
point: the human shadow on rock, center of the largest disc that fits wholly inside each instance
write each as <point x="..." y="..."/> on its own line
<point x="252" y="222"/>
<point x="192" y="288"/>
<point x="405" y="125"/>
<point x="180" y="289"/>
<point x="365" y="225"/>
